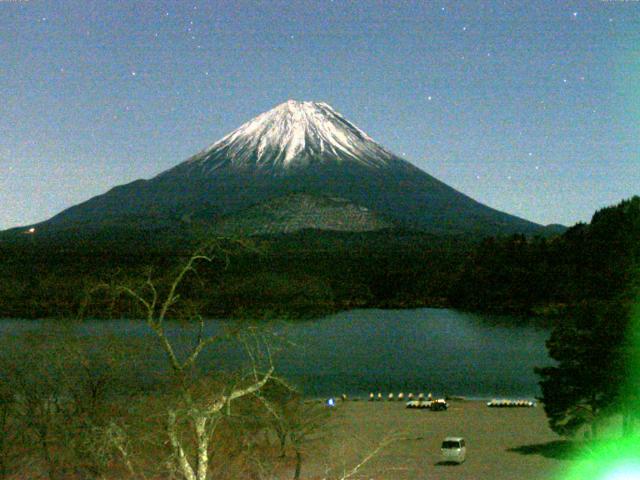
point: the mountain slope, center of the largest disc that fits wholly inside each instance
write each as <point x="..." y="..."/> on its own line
<point x="292" y="213"/>
<point x="296" y="147"/>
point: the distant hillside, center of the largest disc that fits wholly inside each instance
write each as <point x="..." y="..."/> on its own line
<point x="308" y="272"/>
<point x="301" y="211"/>
<point x="598" y="261"/>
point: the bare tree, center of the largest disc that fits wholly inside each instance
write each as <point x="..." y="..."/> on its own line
<point x="294" y="420"/>
<point x="305" y="419"/>
<point x="199" y="411"/>
<point x="350" y="472"/>
<point x="57" y="393"/>
<point x="7" y="430"/>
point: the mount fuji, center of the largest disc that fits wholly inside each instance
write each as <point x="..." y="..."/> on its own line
<point x="297" y="148"/>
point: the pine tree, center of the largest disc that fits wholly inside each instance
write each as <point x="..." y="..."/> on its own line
<point x="590" y="350"/>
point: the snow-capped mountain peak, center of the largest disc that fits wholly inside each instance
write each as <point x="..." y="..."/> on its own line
<point x="297" y="148"/>
<point x="292" y="135"/>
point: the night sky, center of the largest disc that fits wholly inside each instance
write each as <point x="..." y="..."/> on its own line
<point x="531" y="107"/>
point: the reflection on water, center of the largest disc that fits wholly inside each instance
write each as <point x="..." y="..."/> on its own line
<point x="356" y="352"/>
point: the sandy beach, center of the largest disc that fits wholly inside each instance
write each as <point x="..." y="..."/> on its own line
<point x="502" y="443"/>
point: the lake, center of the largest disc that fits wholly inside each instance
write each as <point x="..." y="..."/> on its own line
<point x="360" y="351"/>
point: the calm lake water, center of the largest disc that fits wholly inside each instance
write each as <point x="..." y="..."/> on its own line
<point x="425" y="350"/>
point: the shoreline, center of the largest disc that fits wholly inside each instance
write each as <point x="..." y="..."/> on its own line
<point x="502" y="443"/>
<point x="359" y="398"/>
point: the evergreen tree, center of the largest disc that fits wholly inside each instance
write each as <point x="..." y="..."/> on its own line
<point x="596" y="346"/>
<point x="585" y="385"/>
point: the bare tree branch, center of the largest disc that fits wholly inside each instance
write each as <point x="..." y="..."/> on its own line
<point x="172" y="297"/>
<point x="203" y="414"/>
<point x="183" y="461"/>
<point x="372" y="454"/>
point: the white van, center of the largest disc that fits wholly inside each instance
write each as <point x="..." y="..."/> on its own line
<point x="454" y="449"/>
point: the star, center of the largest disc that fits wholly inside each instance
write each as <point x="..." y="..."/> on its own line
<point x="575" y="14"/>
<point x="429" y="98"/>
<point x="464" y="29"/>
<point x="133" y="74"/>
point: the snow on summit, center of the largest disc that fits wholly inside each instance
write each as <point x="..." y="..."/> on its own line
<point x="290" y="136"/>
